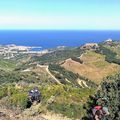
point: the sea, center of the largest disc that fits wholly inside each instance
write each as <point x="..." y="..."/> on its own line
<point x="53" y="38"/>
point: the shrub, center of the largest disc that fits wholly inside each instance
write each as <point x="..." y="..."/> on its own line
<point x="110" y="89"/>
<point x="69" y="110"/>
<point x="19" y="100"/>
<point x="2" y="94"/>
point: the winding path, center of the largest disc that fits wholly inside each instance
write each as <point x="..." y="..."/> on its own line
<point x="46" y="67"/>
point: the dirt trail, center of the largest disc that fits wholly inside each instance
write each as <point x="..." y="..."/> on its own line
<point x="46" y="67"/>
<point x="6" y="114"/>
<point x="53" y="116"/>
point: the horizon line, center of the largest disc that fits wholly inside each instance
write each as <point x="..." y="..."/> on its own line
<point x="67" y="29"/>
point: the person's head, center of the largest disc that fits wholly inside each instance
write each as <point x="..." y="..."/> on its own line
<point x="36" y="90"/>
<point x="31" y="91"/>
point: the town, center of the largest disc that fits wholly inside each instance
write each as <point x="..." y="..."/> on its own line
<point x="10" y="51"/>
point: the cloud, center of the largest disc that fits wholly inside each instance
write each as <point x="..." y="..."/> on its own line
<point x="58" y="22"/>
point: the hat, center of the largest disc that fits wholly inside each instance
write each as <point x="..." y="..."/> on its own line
<point x="31" y="91"/>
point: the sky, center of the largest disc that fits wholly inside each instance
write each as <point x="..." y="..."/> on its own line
<point x="60" y="14"/>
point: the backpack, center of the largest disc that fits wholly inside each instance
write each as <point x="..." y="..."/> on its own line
<point x="96" y="110"/>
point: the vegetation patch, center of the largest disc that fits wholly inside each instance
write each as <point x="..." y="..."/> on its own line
<point x="69" y="110"/>
<point x="110" y="56"/>
<point x="7" y="64"/>
<point x="58" y="56"/>
<point x="109" y="90"/>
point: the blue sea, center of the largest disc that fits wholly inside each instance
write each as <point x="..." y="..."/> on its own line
<point x="53" y="38"/>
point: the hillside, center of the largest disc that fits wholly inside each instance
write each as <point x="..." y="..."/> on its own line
<point x="66" y="97"/>
<point x="58" y="55"/>
<point x="111" y="51"/>
<point x="7" y="64"/>
<point x="93" y="67"/>
<point x="65" y="77"/>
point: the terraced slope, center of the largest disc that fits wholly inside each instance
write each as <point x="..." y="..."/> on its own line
<point x="93" y="67"/>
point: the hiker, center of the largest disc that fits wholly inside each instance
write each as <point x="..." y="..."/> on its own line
<point x="31" y="95"/>
<point x="34" y="95"/>
<point x="37" y="94"/>
<point x="99" y="111"/>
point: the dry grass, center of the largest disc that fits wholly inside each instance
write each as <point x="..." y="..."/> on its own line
<point x="94" y="67"/>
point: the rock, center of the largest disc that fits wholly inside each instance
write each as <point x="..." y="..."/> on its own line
<point x="3" y="116"/>
<point x="34" y="110"/>
<point x="51" y="100"/>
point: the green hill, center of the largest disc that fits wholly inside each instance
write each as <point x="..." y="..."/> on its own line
<point x="58" y="55"/>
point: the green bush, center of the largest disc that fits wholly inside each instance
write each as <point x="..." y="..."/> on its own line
<point x="110" y="89"/>
<point x="2" y="93"/>
<point x="19" y="100"/>
<point x="110" y="56"/>
<point x="70" y="110"/>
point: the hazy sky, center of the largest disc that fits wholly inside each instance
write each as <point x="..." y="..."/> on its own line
<point x="59" y="14"/>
